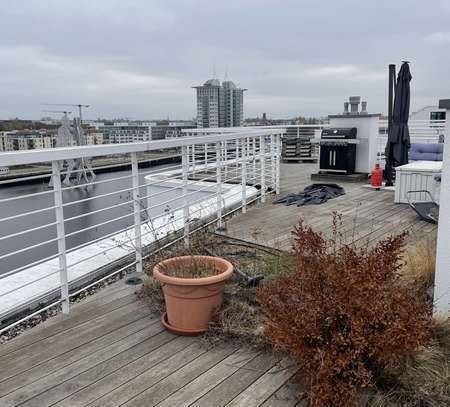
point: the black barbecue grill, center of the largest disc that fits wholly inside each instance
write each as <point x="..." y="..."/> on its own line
<point x="337" y="152"/>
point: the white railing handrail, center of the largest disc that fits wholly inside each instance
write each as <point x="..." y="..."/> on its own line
<point x="412" y="121"/>
<point x="68" y="153"/>
<point x="222" y="130"/>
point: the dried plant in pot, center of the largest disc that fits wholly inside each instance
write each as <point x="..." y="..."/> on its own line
<point x="193" y="291"/>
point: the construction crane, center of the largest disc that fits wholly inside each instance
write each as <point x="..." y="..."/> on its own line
<point x="79" y="105"/>
<point x="56" y="111"/>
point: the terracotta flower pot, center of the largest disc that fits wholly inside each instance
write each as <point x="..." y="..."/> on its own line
<point x="191" y="302"/>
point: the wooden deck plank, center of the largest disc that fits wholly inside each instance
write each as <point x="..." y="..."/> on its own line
<point x="72" y="356"/>
<point x="169" y="385"/>
<point x="263" y="388"/>
<point x="286" y="396"/>
<point x="80" y="314"/>
<point x="137" y="384"/>
<point x="237" y="382"/>
<point x="68" y="340"/>
<point x="208" y="380"/>
<point x="150" y="365"/>
<point x="62" y="383"/>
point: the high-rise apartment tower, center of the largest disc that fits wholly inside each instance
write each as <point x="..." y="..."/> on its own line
<point x="219" y="105"/>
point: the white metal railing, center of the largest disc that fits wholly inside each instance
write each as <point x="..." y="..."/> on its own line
<point x="420" y="131"/>
<point x="54" y="240"/>
<point x="299" y="131"/>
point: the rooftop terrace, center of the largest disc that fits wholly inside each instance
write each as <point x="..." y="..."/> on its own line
<point x="110" y="351"/>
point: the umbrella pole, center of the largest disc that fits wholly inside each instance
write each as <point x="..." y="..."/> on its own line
<point x="389" y="167"/>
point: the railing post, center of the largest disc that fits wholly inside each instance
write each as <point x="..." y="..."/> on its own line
<point x="254" y="160"/>
<point x="191" y="159"/>
<point x="441" y="298"/>
<point x="219" y="182"/>
<point x="225" y="155"/>
<point x="262" y="159"/>
<point x="206" y="156"/>
<point x="278" y="158"/>
<point x="185" y="173"/>
<point x="244" y="174"/>
<point x="61" y="235"/>
<point x="272" y="161"/>
<point x="137" y="212"/>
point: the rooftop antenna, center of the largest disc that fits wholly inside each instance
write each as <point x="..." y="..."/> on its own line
<point x="226" y="73"/>
<point x="214" y="71"/>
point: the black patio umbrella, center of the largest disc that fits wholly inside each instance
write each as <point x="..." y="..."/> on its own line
<point x="398" y="143"/>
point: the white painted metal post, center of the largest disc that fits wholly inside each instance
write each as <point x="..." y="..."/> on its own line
<point x="244" y="174"/>
<point x="254" y="161"/>
<point x="185" y="173"/>
<point x="278" y="158"/>
<point x="191" y="161"/>
<point x="137" y="208"/>
<point x="225" y="155"/>
<point x="262" y="162"/>
<point x="219" y="182"/>
<point x="442" y="275"/>
<point x="272" y="161"/>
<point x="61" y="235"/>
<point x="206" y="155"/>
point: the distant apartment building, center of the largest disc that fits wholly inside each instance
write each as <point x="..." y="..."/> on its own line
<point x="219" y="105"/>
<point x="6" y="143"/>
<point x="93" y="137"/>
<point x="168" y="130"/>
<point x="26" y="140"/>
<point x="124" y="132"/>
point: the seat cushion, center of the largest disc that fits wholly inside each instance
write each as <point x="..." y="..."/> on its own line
<point x="426" y="152"/>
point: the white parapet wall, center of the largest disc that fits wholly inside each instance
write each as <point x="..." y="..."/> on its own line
<point x="442" y="277"/>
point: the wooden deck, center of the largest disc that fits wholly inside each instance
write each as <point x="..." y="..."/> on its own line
<point x="111" y="351"/>
<point x="367" y="215"/>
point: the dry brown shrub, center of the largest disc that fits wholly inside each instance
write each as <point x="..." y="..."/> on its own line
<point x="343" y="314"/>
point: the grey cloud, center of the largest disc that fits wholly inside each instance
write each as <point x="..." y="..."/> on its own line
<point x="139" y="58"/>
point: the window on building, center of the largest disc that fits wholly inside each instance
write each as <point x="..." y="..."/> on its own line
<point x="437" y="115"/>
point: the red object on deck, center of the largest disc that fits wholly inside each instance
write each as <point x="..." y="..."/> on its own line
<point x="377" y="176"/>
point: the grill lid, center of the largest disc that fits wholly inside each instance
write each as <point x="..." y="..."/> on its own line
<point x="339" y="133"/>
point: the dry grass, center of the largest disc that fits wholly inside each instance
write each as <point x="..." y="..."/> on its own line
<point x="423" y="380"/>
<point x="240" y="319"/>
<point x="419" y="266"/>
<point x="191" y="268"/>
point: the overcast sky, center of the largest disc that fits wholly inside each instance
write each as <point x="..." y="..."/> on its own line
<point x="140" y="58"/>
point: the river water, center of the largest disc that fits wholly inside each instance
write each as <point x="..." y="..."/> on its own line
<point x="18" y="206"/>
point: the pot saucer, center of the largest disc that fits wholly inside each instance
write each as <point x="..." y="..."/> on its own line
<point x="180" y="331"/>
